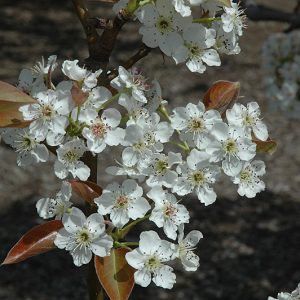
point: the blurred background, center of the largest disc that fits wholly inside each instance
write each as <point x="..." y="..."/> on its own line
<point x="251" y="246"/>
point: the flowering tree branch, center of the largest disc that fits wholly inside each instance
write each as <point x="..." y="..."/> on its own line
<point x="75" y="119"/>
<point x="263" y="13"/>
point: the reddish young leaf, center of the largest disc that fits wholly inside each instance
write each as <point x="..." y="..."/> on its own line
<point x="11" y="99"/>
<point x="115" y="275"/>
<point x="221" y="95"/>
<point x="86" y="190"/>
<point x="268" y="146"/>
<point x="78" y="95"/>
<point x="38" y="240"/>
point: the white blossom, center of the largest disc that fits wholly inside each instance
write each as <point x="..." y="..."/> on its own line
<point x="49" y="113"/>
<point x="195" y="124"/>
<point x="29" y="147"/>
<point x="68" y="156"/>
<point x="124" y="169"/>
<point x="167" y="213"/>
<point x="248" y="118"/>
<point x="197" y="175"/>
<point x="41" y="70"/>
<point x="232" y="145"/>
<point x="295" y="295"/>
<point x="161" y="25"/>
<point x="233" y="19"/>
<point x="186" y="247"/>
<point x="145" y="137"/>
<point x="33" y="81"/>
<point x="122" y="202"/>
<point x="183" y="6"/>
<point x="85" y="78"/>
<point x="149" y="260"/>
<point x="97" y="97"/>
<point x="248" y="179"/>
<point x="131" y="83"/>
<point x="195" y="48"/>
<point x="102" y="131"/>
<point x="58" y="206"/>
<point x="83" y="236"/>
<point x="226" y="42"/>
<point x="158" y="169"/>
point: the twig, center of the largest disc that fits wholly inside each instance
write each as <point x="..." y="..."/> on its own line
<point x="143" y="51"/>
<point x="263" y="13"/>
<point x="100" y="47"/>
<point x="92" y="37"/>
<point x="100" y="23"/>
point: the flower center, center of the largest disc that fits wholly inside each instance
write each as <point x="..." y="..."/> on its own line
<point x="99" y="129"/>
<point x="71" y="156"/>
<point x="84" y="237"/>
<point x="198" y="177"/>
<point x="47" y="111"/>
<point x="230" y="147"/>
<point x="149" y="138"/>
<point x="245" y="176"/>
<point x="122" y="201"/>
<point x="164" y="24"/>
<point x="170" y="210"/>
<point x="196" y="125"/>
<point x="161" y="166"/>
<point x="152" y="263"/>
<point x="139" y="80"/>
<point x="248" y="120"/>
<point x="140" y="146"/>
<point x="194" y="49"/>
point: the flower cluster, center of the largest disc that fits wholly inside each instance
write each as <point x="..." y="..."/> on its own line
<point x="295" y="295"/>
<point x="169" y="25"/>
<point x="211" y="145"/>
<point x="281" y="64"/>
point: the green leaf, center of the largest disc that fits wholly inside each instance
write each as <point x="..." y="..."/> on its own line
<point x="38" y="240"/>
<point x="115" y="275"/>
<point x="11" y="99"/>
<point x="221" y="95"/>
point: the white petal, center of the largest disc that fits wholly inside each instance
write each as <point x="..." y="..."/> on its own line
<point x="81" y="256"/>
<point x="139" y="208"/>
<point x="102" y="245"/>
<point x="142" y="277"/>
<point x="149" y="242"/>
<point x="95" y="224"/>
<point x="135" y="258"/>
<point x="164" y="277"/>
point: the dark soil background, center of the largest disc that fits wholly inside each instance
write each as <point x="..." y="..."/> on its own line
<point x="251" y="246"/>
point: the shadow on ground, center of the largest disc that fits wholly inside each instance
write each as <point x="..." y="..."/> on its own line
<point x="250" y="251"/>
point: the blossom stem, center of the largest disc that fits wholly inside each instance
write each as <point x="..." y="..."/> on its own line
<point x="164" y="112"/>
<point x="125" y="244"/>
<point x="109" y="101"/>
<point x="180" y="145"/>
<point x="206" y="20"/>
<point x="123" y="232"/>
